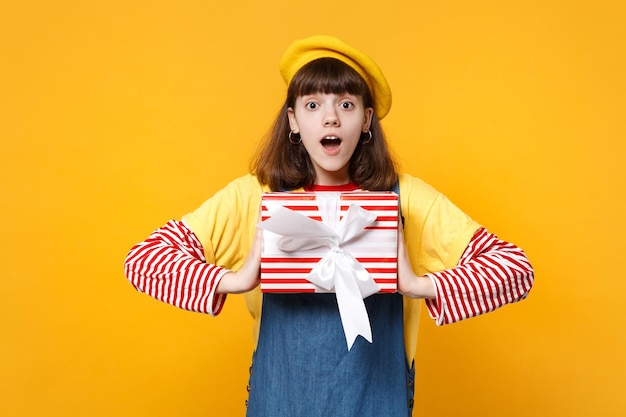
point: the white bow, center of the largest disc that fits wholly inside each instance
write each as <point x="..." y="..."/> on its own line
<point x="338" y="268"/>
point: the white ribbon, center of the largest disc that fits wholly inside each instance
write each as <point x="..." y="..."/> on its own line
<point x="338" y="268"/>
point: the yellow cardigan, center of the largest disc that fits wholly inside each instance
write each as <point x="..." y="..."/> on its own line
<point x="436" y="234"/>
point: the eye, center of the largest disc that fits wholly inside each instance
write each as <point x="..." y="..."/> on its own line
<point x="346" y="105"/>
<point x="311" y="105"/>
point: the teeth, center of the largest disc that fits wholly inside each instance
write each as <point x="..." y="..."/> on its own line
<point x="331" y="138"/>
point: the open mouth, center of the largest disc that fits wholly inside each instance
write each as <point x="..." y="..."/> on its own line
<point x="331" y="141"/>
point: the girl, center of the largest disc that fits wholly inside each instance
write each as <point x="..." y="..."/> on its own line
<point x="327" y="137"/>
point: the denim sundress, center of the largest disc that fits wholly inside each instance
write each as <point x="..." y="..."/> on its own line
<point x="302" y="367"/>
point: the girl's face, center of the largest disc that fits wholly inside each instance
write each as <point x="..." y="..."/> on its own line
<point x="330" y="126"/>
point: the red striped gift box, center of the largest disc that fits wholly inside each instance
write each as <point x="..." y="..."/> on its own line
<point x="375" y="249"/>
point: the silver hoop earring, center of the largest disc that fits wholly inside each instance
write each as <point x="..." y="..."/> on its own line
<point x="368" y="140"/>
<point x="291" y="139"/>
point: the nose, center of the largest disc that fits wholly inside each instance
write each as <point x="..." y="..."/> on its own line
<point x="330" y="117"/>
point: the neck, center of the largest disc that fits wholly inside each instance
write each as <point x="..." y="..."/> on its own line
<point x="332" y="178"/>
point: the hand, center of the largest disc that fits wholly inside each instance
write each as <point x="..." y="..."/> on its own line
<point x="249" y="275"/>
<point x="410" y="284"/>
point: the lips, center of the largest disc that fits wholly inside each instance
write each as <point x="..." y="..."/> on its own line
<point x="330" y="141"/>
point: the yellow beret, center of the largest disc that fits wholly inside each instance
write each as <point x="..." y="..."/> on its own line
<point x="303" y="51"/>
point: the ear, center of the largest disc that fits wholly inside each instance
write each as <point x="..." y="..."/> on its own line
<point x="367" y="119"/>
<point x="293" y="123"/>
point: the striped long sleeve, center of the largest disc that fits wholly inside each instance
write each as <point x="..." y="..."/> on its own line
<point x="490" y="274"/>
<point x="170" y="266"/>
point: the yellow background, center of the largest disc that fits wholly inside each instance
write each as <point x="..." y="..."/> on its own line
<point x="116" y="116"/>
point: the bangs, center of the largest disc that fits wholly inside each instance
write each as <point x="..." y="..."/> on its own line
<point x="328" y="76"/>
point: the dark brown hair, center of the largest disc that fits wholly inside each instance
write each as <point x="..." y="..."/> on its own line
<point x="284" y="166"/>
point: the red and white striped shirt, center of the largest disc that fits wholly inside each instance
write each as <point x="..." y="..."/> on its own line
<point x="170" y="266"/>
<point x="490" y="274"/>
